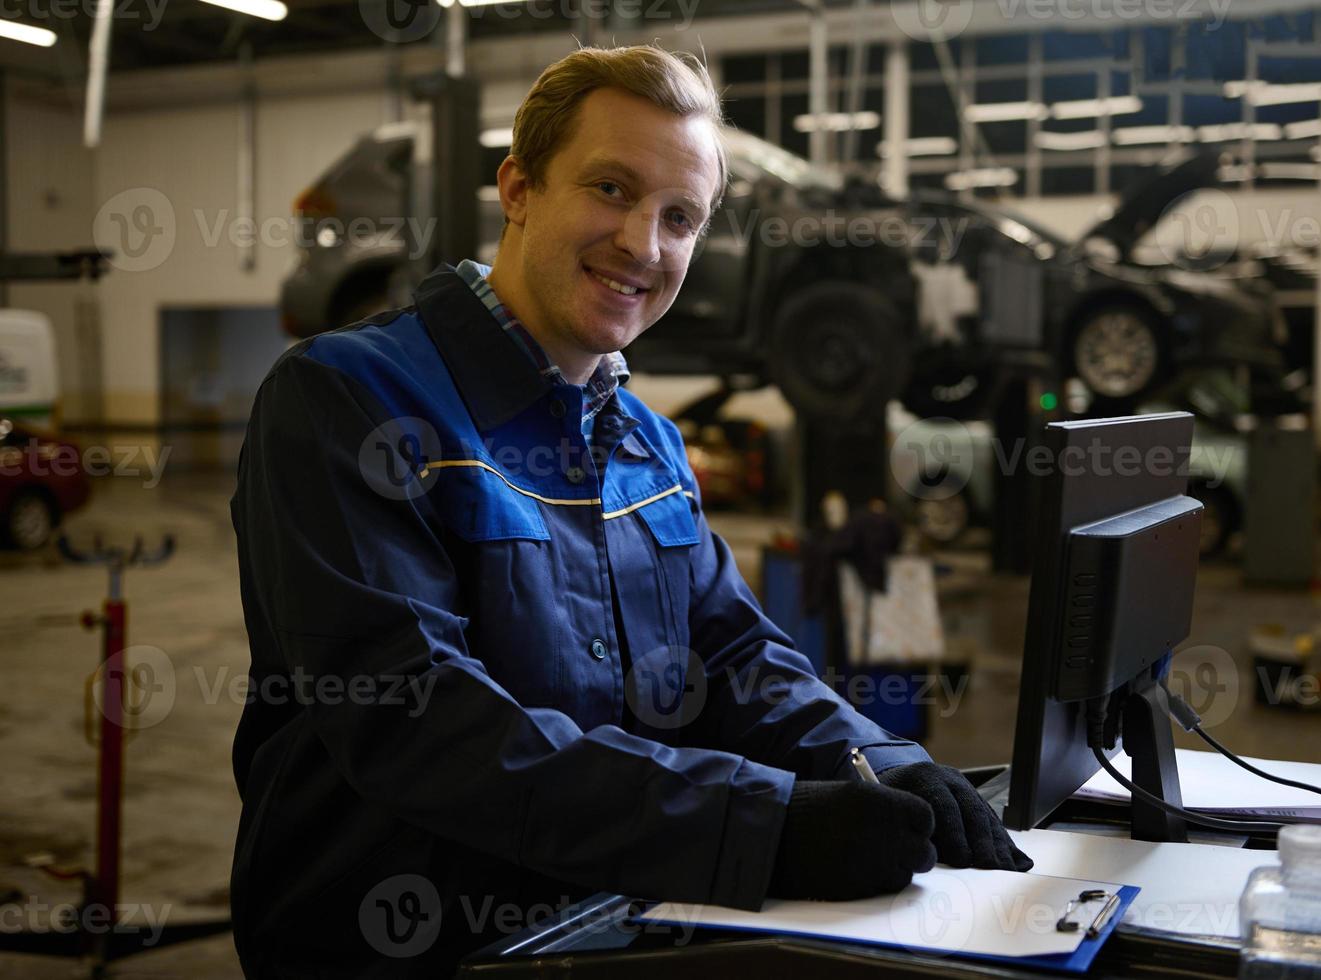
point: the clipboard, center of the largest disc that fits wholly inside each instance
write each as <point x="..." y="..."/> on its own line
<point x="1080" y="960"/>
<point x="994" y="905"/>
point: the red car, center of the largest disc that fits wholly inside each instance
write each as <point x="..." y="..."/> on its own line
<point x="41" y="479"/>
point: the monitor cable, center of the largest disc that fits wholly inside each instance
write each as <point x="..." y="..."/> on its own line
<point x="1191" y="816"/>
<point x="1182" y="712"/>
<point x="1096" y="718"/>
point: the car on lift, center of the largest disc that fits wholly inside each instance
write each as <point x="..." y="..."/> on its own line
<point x="801" y="280"/>
<point x="41" y="481"/>
<point x="994" y="281"/>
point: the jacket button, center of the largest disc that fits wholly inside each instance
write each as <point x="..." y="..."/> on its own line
<point x="557" y="408"/>
<point x="598" y="649"/>
<point x="575" y="474"/>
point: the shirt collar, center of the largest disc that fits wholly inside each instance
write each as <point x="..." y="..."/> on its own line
<point x="496" y="381"/>
<point x="610" y="372"/>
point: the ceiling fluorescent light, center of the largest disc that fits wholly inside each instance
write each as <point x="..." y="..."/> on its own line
<point x="923" y="146"/>
<point x="265" y="9"/>
<point x="1302" y="129"/>
<point x="964" y="180"/>
<point x="1264" y="93"/>
<point x="1088" y="140"/>
<point x="1290" y="171"/>
<point x="497" y="137"/>
<point x="1004" y="111"/>
<point x="836" y="122"/>
<point x="39" y="36"/>
<point x="1238" y="131"/>
<point x="1136" y="135"/>
<point x="1116" y="105"/>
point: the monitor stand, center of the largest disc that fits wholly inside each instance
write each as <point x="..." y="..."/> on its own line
<point x="1149" y="740"/>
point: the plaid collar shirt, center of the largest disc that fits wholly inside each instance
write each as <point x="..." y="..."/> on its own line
<point x="610" y="373"/>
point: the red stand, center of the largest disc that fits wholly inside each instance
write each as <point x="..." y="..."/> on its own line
<point x="103" y="887"/>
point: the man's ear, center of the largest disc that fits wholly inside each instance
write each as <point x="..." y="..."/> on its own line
<point x="514" y="187"/>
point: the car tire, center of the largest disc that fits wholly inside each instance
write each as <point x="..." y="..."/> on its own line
<point x="1220" y="517"/>
<point x="838" y="350"/>
<point x="1118" y="352"/>
<point x="30" y="521"/>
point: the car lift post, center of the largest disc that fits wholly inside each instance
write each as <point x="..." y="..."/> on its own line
<point x="845" y="455"/>
<point x="447" y="206"/>
<point x="1026" y="398"/>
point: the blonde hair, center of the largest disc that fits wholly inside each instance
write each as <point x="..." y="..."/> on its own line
<point x="678" y="82"/>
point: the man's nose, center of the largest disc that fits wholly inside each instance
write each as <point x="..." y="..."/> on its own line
<point x="641" y="236"/>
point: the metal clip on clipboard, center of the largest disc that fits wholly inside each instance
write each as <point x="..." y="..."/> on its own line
<point x="1065" y="924"/>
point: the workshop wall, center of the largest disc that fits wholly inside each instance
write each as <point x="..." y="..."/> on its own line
<point x="48" y="203"/>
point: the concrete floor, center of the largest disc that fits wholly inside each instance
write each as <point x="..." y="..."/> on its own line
<point x="181" y="808"/>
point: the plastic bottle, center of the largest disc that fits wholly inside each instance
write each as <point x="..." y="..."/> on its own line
<point x="1280" y="912"/>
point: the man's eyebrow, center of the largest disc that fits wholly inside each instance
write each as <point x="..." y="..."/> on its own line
<point x="619" y="166"/>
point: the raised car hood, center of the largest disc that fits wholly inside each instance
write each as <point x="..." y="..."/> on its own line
<point x="1143" y="202"/>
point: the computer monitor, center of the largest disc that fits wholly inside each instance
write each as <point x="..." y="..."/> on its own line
<point x="1113" y="576"/>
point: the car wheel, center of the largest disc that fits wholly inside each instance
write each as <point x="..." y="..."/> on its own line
<point x="838" y="350"/>
<point x="1117" y="351"/>
<point x="30" y="521"/>
<point x="1220" y="517"/>
<point x="943" y="521"/>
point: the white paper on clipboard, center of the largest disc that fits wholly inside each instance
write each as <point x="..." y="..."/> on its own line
<point x="947" y="910"/>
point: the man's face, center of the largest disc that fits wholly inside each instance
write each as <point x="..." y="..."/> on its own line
<point x="623" y="199"/>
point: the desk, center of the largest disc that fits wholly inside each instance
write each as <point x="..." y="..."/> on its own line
<point x="595" y="939"/>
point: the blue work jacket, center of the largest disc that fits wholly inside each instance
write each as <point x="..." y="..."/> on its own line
<point x="492" y="661"/>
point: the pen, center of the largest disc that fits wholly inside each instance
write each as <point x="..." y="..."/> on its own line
<point x="863" y="767"/>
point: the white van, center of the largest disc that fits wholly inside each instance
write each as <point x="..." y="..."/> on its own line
<point x="29" y="386"/>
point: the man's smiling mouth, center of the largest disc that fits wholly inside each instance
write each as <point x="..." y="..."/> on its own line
<point x="623" y="288"/>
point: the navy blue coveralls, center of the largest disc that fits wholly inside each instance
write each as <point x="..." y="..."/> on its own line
<point x="492" y="667"/>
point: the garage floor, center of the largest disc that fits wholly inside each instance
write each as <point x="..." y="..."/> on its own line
<point x="181" y="807"/>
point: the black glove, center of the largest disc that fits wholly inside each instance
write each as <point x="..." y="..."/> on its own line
<point x="844" y="840"/>
<point x="968" y="833"/>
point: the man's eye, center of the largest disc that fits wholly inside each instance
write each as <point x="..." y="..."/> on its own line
<point x="606" y="186"/>
<point x="681" y="220"/>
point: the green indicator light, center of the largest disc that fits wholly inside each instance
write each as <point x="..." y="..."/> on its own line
<point x="1049" y="402"/>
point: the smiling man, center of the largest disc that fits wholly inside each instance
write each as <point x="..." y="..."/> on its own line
<point x="499" y="659"/>
<point x="605" y="198"/>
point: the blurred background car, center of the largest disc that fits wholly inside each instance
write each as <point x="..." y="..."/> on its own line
<point x="996" y="281"/>
<point x="41" y="481"/>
